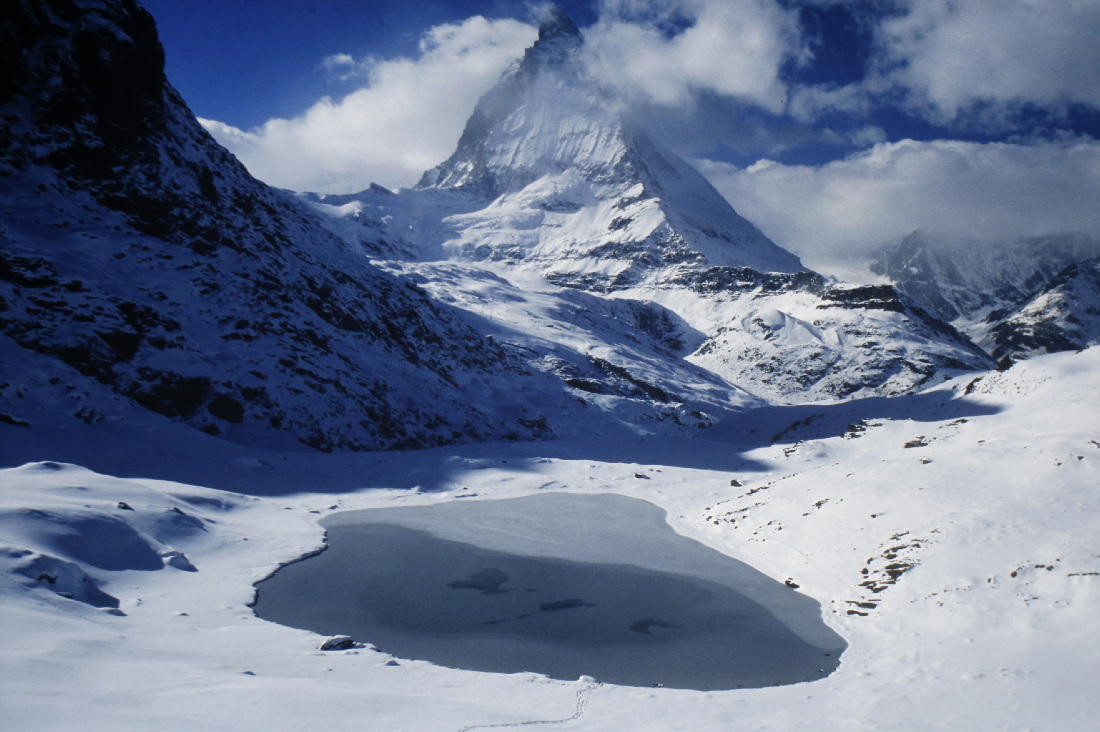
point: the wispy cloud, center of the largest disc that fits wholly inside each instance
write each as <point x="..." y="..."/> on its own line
<point x="990" y="65"/>
<point x="718" y="73"/>
<point x="405" y="120"/>
<point x="990" y="57"/>
<point x="666" y="53"/>
<point x="343" y="66"/>
<point x="833" y="214"/>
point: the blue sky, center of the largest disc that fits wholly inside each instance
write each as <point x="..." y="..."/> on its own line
<point x="832" y="124"/>
<point x="246" y="61"/>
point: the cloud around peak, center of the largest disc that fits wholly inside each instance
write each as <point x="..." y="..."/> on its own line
<point x="834" y="214"/>
<point x="667" y="53"/>
<point x="406" y="118"/>
<point x="721" y="74"/>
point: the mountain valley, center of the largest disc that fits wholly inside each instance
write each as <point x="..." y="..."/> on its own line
<point x="196" y="368"/>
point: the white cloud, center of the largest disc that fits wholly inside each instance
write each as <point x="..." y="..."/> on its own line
<point x="405" y="121"/>
<point x="342" y="66"/>
<point x="949" y="55"/>
<point x="729" y="48"/>
<point x="955" y="55"/>
<point x="974" y="64"/>
<point x="831" y="215"/>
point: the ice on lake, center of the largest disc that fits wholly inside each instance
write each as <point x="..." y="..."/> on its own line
<point x="564" y="585"/>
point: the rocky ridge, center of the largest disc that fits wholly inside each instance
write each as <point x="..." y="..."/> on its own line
<point x="1013" y="298"/>
<point x="559" y="274"/>
<point x="141" y="254"/>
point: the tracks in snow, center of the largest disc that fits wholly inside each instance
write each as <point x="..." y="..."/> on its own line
<point x="582" y="704"/>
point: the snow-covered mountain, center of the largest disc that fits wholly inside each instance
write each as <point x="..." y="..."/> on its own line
<point x="551" y="177"/>
<point x="1063" y="316"/>
<point x="578" y="190"/>
<point x="149" y="286"/>
<point x="140" y="254"/>
<point x="994" y="290"/>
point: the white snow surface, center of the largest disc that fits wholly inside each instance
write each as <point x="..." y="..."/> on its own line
<point x="1064" y="315"/>
<point x="949" y="535"/>
<point x="809" y="346"/>
<point x="948" y="532"/>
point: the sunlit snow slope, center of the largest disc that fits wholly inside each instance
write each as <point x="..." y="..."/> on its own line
<point x="173" y="334"/>
<point x="550" y="177"/>
<point x="140" y="255"/>
<point x="948" y="535"/>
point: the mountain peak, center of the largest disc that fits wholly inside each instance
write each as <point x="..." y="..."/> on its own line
<point x="556" y="23"/>
<point x="547" y="139"/>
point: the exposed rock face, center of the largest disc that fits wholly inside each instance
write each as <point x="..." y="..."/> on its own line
<point x="1014" y="298"/>
<point x="339" y="643"/>
<point x="1063" y="316"/>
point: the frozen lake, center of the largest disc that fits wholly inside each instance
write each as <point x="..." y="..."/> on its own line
<point x="559" y="584"/>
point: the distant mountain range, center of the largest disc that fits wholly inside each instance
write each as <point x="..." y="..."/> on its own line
<point x="1014" y="298"/>
<point x="560" y="274"/>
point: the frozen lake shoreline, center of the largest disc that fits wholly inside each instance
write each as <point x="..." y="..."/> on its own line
<point x="560" y="584"/>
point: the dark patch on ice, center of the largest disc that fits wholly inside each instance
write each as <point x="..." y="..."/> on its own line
<point x="645" y="625"/>
<point x="550" y="607"/>
<point x="487" y="581"/>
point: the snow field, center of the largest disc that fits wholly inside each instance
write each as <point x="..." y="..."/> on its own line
<point x="991" y="624"/>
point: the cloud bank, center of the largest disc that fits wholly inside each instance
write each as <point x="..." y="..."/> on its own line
<point x="981" y="64"/>
<point x="832" y="215"/>
<point x="956" y="57"/>
<point x="667" y="53"/>
<point x="405" y="120"/>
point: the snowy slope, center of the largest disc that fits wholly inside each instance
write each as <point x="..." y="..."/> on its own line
<point x="547" y="172"/>
<point x="150" y="286"/>
<point x="1063" y="316"/>
<point x="960" y="278"/>
<point x="793" y="339"/>
<point x="549" y="179"/>
<point x="982" y="287"/>
<point x="144" y="257"/>
<point x="948" y="536"/>
<point x="139" y="255"/>
<point x="822" y="340"/>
